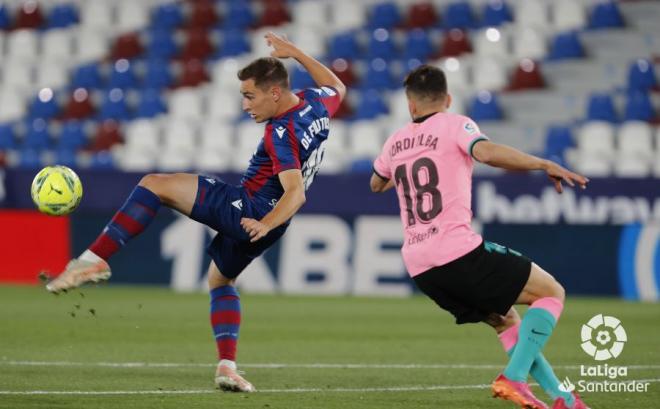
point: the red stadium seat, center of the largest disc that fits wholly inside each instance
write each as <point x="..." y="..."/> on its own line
<point x="527" y="76"/>
<point x="203" y="14"/>
<point x="79" y="106"/>
<point x="197" y="45"/>
<point x="193" y="74"/>
<point x="126" y="46"/>
<point x="421" y="15"/>
<point x="29" y="15"/>
<point x="275" y="13"/>
<point x="455" y="43"/>
<point x="344" y="111"/>
<point x="107" y="135"/>
<point x="343" y="70"/>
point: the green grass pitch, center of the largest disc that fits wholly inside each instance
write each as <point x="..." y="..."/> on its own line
<point x="129" y="347"/>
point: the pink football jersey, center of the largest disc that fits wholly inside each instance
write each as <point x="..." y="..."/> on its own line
<point x="431" y="164"/>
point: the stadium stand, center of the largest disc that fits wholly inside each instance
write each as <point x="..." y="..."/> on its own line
<point x="572" y="80"/>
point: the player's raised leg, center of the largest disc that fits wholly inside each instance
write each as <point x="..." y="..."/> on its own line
<point x="546" y="299"/>
<point x="225" y="322"/>
<point x="177" y="191"/>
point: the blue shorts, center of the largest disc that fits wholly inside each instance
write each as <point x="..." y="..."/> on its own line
<point x="221" y="207"/>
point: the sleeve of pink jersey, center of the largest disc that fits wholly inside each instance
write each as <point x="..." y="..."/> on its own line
<point x="382" y="163"/>
<point x="467" y="133"/>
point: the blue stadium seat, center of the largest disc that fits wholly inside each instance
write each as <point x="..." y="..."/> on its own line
<point x="343" y="45"/>
<point x="496" y="13"/>
<point x="234" y="42"/>
<point x="102" y="161"/>
<point x="485" y="107"/>
<point x="378" y="76"/>
<point x="87" y="76"/>
<point x="641" y="75"/>
<point x="167" y="16"/>
<point x="7" y="137"/>
<point x="459" y="15"/>
<point x="300" y="78"/>
<point x="37" y="136"/>
<point x="66" y="157"/>
<point x="418" y="45"/>
<point x="161" y="44"/>
<point x="370" y="106"/>
<point x="63" y="15"/>
<point x="601" y="108"/>
<point x="5" y="17"/>
<point x="44" y="105"/>
<point x="606" y="15"/>
<point x="385" y="15"/>
<point x="639" y="107"/>
<point x="565" y="46"/>
<point x="381" y="45"/>
<point x="239" y="15"/>
<point x="157" y="74"/>
<point x="72" y="136"/>
<point x="114" y="106"/>
<point x="557" y="140"/>
<point x="30" y="159"/>
<point x="122" y="75"/>
<point x="151" y="104"/>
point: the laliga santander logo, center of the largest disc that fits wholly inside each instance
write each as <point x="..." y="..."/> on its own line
<point x="603" y="337"/>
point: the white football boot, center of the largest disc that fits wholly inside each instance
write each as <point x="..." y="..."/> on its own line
<point x="77" y="273"/>
<point x="228" y="379"/>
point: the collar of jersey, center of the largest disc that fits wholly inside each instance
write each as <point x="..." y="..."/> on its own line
<point x="295" y="108"/>
<point x="424" y="118"/>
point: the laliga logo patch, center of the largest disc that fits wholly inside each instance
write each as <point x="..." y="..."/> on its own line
<point x="470" y="128"/>
<point x="603" y="337"/>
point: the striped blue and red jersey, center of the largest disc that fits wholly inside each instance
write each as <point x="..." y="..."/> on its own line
<point x="292" y="140"/>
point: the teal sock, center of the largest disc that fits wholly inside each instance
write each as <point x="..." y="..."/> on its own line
<point x="542" y="372"/>
<point x="535" y="330"/>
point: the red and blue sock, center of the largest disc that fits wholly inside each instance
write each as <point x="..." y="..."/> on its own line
<point x="225" y="320"/>
<point x="131" y="219"/>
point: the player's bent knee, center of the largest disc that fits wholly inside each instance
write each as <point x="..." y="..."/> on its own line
<point x="217" y="279"/>
<point x="151" y="181"/>
<point x="560" y="293"/>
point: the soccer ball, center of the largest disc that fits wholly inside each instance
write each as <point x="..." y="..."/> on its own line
<point x="56" y="190"/>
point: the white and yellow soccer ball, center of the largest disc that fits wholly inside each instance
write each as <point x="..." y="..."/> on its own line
<point x="56" y="190"/>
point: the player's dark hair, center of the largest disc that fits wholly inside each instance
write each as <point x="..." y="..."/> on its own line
<point x="265" y="72"/>
<point x="426" y="82"/>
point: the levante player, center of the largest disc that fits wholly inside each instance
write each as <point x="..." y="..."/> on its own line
<point x="250" y="217"/>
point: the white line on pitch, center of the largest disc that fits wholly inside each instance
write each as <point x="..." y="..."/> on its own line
<point x="418" y="388"/>
<point x="295" y="390"/>
<point x="281" y="365"/>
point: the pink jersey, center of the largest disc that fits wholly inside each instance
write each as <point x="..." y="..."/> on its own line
<point x="431" y="164"/>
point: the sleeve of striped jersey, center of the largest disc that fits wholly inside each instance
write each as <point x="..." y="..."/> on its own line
<point x="382" y="164"/>
<point x="328" y="96"/>
<point x="468" y="134"/>
<point x="282" y="147"/>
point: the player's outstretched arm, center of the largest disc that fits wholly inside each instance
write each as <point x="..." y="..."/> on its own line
<point x="283" y="48"/>
<point x="506" y="157"/>
<point x="292" y="199"/>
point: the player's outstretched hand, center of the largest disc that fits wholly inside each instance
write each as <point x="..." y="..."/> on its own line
<point x="282" y="47"/>
<point x="254" y="228"/>
<point x="558" y="174"/>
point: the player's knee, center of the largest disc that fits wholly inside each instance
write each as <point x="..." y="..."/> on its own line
<point x="559" y="291"/>
<point x="152" y="181"/>
<point x="216" y="279"/>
